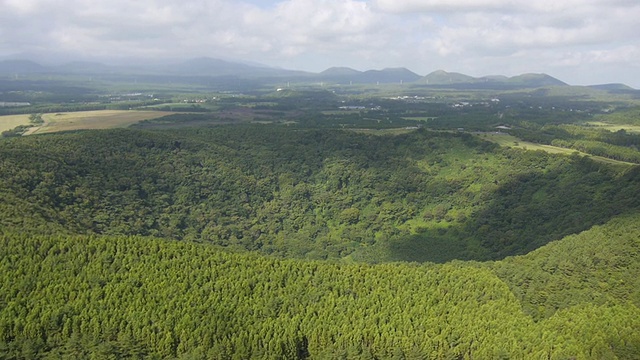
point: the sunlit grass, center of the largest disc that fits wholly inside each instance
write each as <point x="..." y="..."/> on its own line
<point x="510" y="141"/>
<point x="9" y="122"/>
<point x="615" y="127"/>
<point x="85" y="120"/>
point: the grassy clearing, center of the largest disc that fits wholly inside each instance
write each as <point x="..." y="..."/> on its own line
<point x="420" y="118"/>
<point x="396" y="131"/>
<point x="85" y="120"/>
<point x="615" y="127"/>
<point x="507" y="140"/>
<point x="9" y="122"/>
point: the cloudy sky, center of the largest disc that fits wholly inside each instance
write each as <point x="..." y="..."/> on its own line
<point x="579" y="41"/>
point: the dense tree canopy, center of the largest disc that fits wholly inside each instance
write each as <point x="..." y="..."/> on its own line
<point x="142" y="297"/>
<point x="155" y="244"/>
<point x="420" y="196"/>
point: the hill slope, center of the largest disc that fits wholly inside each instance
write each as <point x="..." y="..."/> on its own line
<point x="385" y="76"/>
<point x="144" y="297"/>
<point x="20" y="67"/>
<point x="319" y="194"/>
<point x="597" y="266"/>
<point x="442" y="78"/>
<point x="76" y="283"/>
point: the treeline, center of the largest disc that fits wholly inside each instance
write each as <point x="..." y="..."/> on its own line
<point x="133" y="297"/>
<point x="623" y="116"/>
<point x="618" y="145"/>
<point x="603" y="149"/>
<point x="421" y="196"/>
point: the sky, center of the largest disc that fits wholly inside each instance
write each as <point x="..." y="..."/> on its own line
<point x="581" y="42"/>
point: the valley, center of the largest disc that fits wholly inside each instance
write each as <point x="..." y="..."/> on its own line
<point x="211" y="211"/>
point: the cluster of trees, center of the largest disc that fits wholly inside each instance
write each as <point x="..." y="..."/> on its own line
<point x="16" y="131"/>
<point x="319" y="194"/>
<point x="134" y="297"/>
<point x="599" y="148"/>
<point x="623" y="116"/>
<point x="36" y="119"/>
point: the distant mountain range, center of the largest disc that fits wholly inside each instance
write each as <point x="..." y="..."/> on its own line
<point x="385" y="76"/>
<point x="209" y="67"/>
<point x="443" y="78"/>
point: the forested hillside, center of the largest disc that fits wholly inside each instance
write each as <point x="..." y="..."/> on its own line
<point x="134" y="297"/>
<point x="421" y="196"/>
<point x="272" y="242"/>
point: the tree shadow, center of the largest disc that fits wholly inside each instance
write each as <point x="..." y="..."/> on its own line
<point x="528" y="212"/>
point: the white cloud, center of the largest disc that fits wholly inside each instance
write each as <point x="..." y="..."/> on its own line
<point x="506" y="6"/>
<point x="298" y="26"/>
<point x="411" y="6"/>
<point x="196" y="27"/>
<point x="307" y="34"/>
<point x="621" y="55"/>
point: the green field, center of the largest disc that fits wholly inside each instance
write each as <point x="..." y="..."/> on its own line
<point x="615" y="127"/>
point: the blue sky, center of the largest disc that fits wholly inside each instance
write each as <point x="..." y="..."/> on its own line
<point x="579" y="41"/>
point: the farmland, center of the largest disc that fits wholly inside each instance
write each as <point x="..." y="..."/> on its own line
<point x="9" y="122"/>
<point x="91" y="120"/>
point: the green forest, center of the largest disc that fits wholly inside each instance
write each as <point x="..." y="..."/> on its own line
<point x="288" y="242"/>
<point x="133" y="297"/>
<point x="420" y="196"/>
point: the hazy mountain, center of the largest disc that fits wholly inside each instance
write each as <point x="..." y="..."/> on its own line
<point x="217" y="67"/>
<point x="208" y="66"/>
<point x="340" y="71"/>
<point x="389" y="75"/>
<point x="441" y="77"/>
<point x="535" y="80"/>
<point x="201" y="68"/>
<point x="345" y="75"/>
<point x="84" y="67"/>
<point x="612" y="87"/>
<point x="21" y="67"/>
<point x="498" y="78"/>
<point x="340" y="75"/>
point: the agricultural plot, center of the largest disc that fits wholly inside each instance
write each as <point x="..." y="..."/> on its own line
<point x="9" y="122"/>
<point x="86" y="120"/>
